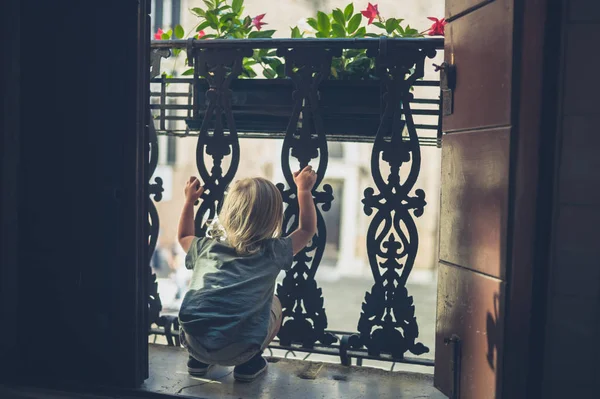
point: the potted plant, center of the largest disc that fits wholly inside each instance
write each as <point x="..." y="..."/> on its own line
<point x="264" y="103"/>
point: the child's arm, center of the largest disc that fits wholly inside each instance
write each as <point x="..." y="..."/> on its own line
<point x="307" y="226"/>
<point x="185" y="231"/>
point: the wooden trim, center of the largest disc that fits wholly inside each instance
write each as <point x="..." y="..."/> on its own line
<point x="9" y="200"/>
<point x="141" y="183"/>
<point x="534" y="96"/>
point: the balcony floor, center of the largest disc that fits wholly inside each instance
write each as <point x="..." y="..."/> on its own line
<point x="290" y="379"/>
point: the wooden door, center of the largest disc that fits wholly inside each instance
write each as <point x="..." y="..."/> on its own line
<point x="488" y="197"/>
<point x="73" y="282"/>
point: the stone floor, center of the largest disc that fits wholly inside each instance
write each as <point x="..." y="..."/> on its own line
<point x="343" y="301"/>
<point x="289" y="379"/>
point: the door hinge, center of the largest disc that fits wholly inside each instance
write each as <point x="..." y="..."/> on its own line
<point x="454" y="340"/>
<point x="447" y="86"/>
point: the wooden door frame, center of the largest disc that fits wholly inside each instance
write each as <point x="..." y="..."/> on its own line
<point x="9" y="162"/>
<point x="535" y="100"/>
<point x="141" y="183"/>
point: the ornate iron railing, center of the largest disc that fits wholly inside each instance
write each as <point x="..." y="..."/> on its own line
<point x="306" y="112"/>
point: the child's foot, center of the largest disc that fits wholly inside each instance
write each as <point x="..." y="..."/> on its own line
<point x="196" y="368"/>
<point x="248" y="371"/>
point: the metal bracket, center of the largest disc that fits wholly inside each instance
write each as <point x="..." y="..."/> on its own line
<point x="448" y="85"/>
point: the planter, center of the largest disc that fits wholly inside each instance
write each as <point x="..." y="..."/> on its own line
<point x="348" y="108"/>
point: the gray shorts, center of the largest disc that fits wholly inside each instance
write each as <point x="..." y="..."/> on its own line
<point x="238" y="352"/>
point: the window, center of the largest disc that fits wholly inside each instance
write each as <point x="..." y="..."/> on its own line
<point x="336" y="149"/>
<point x="171" y="150"/>
<point x="166" y="14"/>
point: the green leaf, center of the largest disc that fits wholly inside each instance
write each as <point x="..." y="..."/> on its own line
<point x="179" y="32"/>
<point x="338" y="30"/>
<point x="338" y="16"/>
<point x="334" y="72"/>
<point x="324" y="26"/>
<point x="274" y="62"/>
<point x="211" y="36"/>
<point x="202" y="26"/>
<point x="188" y="72"/>
<point x="361" y="32"/>
<point x="351" y="53"/>
<point x="165" y="36"/>
<point x="212" y="19"/>
<point x="296" y="33"/>
<point x="209" y="4"/>
<point x="372" y="35"/>
<point x="236" y="6"/>
<point x="176" y="51"/>
<point x="391" y="25"/>
<point x="269" y="73"/>
<point x="410" y="32"/>
<point x="227" y="17"/>
<point x="313" y="23"/>
<point x="199" y="12"/>
<point x="354" y="23"/>
<point x="280" y="69"/>
<point x="249" y="72"/>
<point x="321" y="35"/>
<point x="379" y="25"/>
<point x="262" y="34"/>
<point x="348" y="11"/>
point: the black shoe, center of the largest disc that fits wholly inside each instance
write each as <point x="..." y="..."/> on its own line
<point x="248" y="371"/>
<point x="196" y="368"/>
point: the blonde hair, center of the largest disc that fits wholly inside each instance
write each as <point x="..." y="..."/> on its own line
<point x="252" y="212"/>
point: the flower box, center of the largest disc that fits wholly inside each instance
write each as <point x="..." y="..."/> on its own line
<point x="265" y="106"/>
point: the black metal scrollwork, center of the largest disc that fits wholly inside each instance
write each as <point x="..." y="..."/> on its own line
<point x="387" y="323"/>
<point x="304" y="315"/>
<point x="154" y="189"/>
<point x="219" y="68"/>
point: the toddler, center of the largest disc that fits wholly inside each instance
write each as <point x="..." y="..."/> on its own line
<point x="230" y="315"/>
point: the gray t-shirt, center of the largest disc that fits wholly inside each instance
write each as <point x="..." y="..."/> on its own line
<point x="230" y="296"/>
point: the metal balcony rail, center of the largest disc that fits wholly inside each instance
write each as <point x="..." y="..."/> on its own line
<point x="307" y="110"/>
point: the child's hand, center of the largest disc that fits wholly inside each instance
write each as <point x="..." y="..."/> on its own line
<point x="193" y="190"/>
<point x="305" y="179"/>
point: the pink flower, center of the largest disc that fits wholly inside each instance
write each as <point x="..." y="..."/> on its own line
<point x="371" y="12"/>
<point x="257" y="21"/>
<point x="201" y="34"/>
<point x="158" y="34"/>
<point x="437" y="29"/>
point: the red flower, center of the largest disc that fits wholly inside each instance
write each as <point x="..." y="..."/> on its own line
<point x="437" y="29"/>
<point x="201" y="34"/>
<point x="257" y="21"/>
<point x="371" y="12"/>
<point x="158" y="34"/>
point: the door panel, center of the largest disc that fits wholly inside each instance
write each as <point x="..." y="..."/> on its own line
<point x="469" y="307"/>
<point x="474" y="200"/>
<point x="480" y="45"/>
